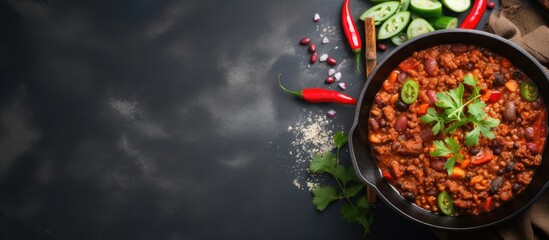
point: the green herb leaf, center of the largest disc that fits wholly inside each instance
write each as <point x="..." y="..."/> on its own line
<point x="323" y="163"/>
<point x="346" y="174"/>
<point x="323" y="196"/>
<point x="444" y="149"/>
<point x="358" y="213"/>
<point x="470" y="80"/>
<point x="440" y="149"/>
<point x="353" y="190"/>
<point x="340" y="139"/>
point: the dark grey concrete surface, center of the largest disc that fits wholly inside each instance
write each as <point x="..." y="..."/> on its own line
<point x="162" y="120"/>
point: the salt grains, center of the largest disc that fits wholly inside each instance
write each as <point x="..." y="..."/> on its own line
<point x="313" y="135"/>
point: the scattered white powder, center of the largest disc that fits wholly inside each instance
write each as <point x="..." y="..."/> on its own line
<point x="313" y="133"/>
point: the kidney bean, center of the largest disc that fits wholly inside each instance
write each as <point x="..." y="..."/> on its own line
<point x="379" y="101"/>
<point x="331" y="61"/>
<point x="529" y="133"/>
<point x="500" y="171"/>
<point x="458" y="48"/>
<point x="431" y="66"/>
<point x="305" y="41"/>
<point x="313" y="58"/>
<point x="438" y="165"/>
<point x="496" y="184"/>
<point x="509" y="111"/>
<point x="532" y="147"/>
<point x="381" y="46"/>
<point x="329" y="79"/>
<point x="402" y="76"/>
<point x="401" y="123"/>
<point x="499" y="79"/>
<point x="426" y="134"/>
<point x="312" y="47"/>
<point x="432" y="95"/>
<point x="373" y="124"/>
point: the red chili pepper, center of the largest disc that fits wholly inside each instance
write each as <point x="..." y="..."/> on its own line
<point x="540" y="130"/>
<point x="474" y="16"/>
<point x="320" y="95"/>
<point x="351" y="31"/>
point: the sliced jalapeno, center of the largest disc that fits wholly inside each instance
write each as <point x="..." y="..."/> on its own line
<point x="409" y="91"/>
<point x="417" y="27"/>
<point x="394" y="25"/>
<point x="457" y="5"/>
<point x="381" y="12"/>
<point x="404" y="4"/>
<point x="529" y="91"/>
<point x="399" y="38"/>
<point x="445" y="203"/>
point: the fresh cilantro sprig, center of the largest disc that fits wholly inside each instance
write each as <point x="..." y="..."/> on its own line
<point x="354" y="210"/>
<point x="453" y="116"/>
<point x="449" y="147"/>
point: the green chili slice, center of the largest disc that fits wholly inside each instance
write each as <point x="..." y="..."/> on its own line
<point x="529" y="91"/>
<point x="445" y="203"/>
<point x="409" y="91"/>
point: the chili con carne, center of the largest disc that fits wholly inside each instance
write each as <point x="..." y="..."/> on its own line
<point x="475" y="14"/>
<point x="351" y="31"/>
<point x="320" y="95"/>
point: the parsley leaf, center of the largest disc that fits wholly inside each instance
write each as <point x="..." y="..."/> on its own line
<point x="449" y="147"/>
<point x="453" y="115"/>
<point x="323" y="196"/>
<point x="323" y="163"/>
<point x="348" y="183"/>
<point x="340" y="139"/>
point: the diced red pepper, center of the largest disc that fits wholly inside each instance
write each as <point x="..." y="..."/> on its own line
<point x="388" y="176"/>
<point x="422" y="109"/>
<point x="495" y="96"/>
<point x="408" y="64"/>
<point x="483" y="157"/>
<point x="488" y="204"/>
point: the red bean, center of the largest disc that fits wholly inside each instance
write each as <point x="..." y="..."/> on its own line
<point x="529" y="133"/>
<point x="431" y="66"/>
<point x="432" y="95"/>
<point x="329" y="80"/>
<point x="458" y="48"/>
<point x="491" y="5"/>
<point x="402" y="76"/>
<point x="305" y="41"/>
<point x="381" y="46"/>
<point x="438" y="165"/>
<point x="331" y="61"/>
<point x="532" y="147"/>
<point x="373" y="124"/>
<point x="312" y="47"/>
<point x="314" y="57"/>
<point x="509" y="111"/>
<point x="401" y="123"/>
<point x="427" y="135"/>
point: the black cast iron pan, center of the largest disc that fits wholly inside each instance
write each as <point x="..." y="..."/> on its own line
<point x="361" y="152"/>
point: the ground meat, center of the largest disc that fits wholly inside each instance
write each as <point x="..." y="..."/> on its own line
<point x="515" y="148"/>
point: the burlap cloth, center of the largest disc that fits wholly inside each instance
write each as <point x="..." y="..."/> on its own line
<point x="526" y="27"/>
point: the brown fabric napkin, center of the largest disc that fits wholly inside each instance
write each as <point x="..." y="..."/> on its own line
<point x="524" y="26"/>
<point x="528" y="28"/>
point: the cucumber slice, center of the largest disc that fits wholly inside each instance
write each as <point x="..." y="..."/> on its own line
<point x="444" y="22"/>
<point x="381" y="12"/>
<point x="399" y="38"/>
<point x="394" y="25"/>
<point x="404" y="4"/>
<point x="457" y="5"/>
<point x="417" y="27"/>
<point x="426" y="8"/>
<point x="377" y="1"/>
